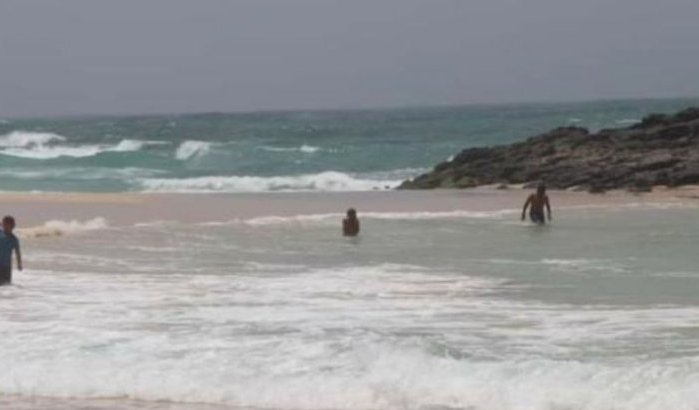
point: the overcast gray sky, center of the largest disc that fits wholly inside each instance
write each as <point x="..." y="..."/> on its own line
<point x="136" y="56"/>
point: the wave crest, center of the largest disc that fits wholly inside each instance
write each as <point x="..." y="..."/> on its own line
<point x="190" y="148"/>
<point x="42" y="146"/>
<point x="129" y="145"/>
<point x="324" y="181"/>
<point x="23" y="139"/>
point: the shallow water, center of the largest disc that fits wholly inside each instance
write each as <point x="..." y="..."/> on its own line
<point x="423" y="311"/>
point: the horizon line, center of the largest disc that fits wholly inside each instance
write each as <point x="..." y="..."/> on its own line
<point x="338" y="109"/>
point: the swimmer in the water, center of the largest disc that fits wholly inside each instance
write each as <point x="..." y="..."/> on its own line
<point x="536" y="203"/>
<point x="350" y="225"/>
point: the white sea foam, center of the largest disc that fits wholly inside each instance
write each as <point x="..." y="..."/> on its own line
<point x="496" y="214"/>
<point x="60" y="228"/>
<point x="191" y="148"/>
<point x="582" y="264"/>
<point x="23" y="139"/>
<point x="325" y="181"/>
<point x="642" y="206"/>
<point x="51" y="152"/>
<point x="380" y="336"/>
<point x="397" y="216"/>
<point x="296" y="219"/>
<point x="43" y="146"/>
<point x="129" y="145"/>
<point x="80" y="173"/>
<point x="309" y="149"/>
<point x="306" y="149"/>
<point x="385" y="378"/>
<point x="568" y="262"/>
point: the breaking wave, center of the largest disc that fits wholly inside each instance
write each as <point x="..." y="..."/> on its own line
<point x="365" y="375"/>
<point x="189" y="149"/>
<point x="42" y="146"/>
<point x="22" y="139"/>
<point x="324" y="181"/>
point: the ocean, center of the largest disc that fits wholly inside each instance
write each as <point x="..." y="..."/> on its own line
<point x="265" y="152"/>
<point x="173" y="276"/>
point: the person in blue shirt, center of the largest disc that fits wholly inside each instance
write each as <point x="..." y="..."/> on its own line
<point x="8" y="243"/>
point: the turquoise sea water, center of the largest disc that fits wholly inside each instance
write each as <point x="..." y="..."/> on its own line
<point x="289" y="151"/>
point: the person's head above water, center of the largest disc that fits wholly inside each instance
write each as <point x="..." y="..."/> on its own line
<point x="350" y="225"/>
<point x="8" y="223"/>
<point x="541" y="188"/>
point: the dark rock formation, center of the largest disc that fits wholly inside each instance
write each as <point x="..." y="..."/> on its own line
<point x="659" y="150"/>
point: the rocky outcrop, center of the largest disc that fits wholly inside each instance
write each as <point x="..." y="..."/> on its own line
<point x="659" y="150"/>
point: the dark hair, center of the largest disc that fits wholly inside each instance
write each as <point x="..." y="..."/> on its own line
<point x="351" y="212"/>
<point x="9" y="220"/>
<point x="541" y="187"/>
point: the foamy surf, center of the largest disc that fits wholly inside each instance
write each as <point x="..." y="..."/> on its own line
<point x="386" y="336"/>
<point x="21" y="139"/>
<point x="44" y="146"/>
<point x="389" y="216"/>
<point x="389" y="378"/>
<point x="425" y="313"/>
<point x="306" y="149"/>
<point x="55" y="228"/>
<point x="324" y="181"/>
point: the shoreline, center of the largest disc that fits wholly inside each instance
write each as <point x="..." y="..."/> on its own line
<point x="657" y="150"/>
<point x="119" y="209"/>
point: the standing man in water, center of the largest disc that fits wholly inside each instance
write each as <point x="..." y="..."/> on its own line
<point x="350" y="225"/>
<point x="8" y="244"/>
<point x="537" y="201"/>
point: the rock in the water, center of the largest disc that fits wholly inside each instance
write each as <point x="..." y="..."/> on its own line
<point x="660" y="150"/>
